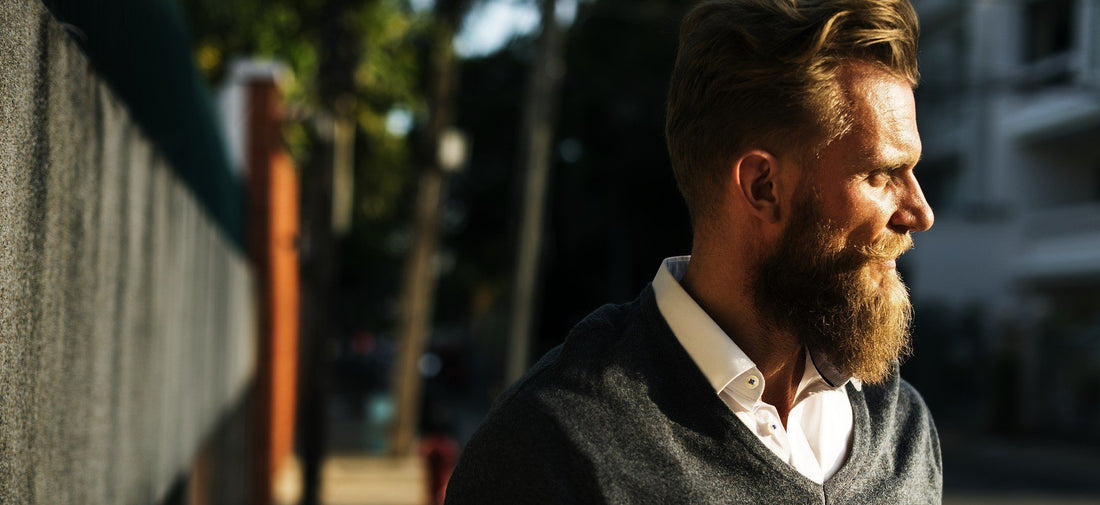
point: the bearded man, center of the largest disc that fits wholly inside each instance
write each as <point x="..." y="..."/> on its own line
<point x="763" y="368"/>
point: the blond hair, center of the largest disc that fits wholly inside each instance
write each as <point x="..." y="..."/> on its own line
<point x="763" y="74"/>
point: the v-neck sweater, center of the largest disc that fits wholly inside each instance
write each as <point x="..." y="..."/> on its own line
<point x="620" y="414"/>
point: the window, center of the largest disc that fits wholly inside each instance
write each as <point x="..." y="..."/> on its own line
<point x="1048" y="29"/>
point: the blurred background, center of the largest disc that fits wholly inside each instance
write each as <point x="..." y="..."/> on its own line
<point x="418" y="198"/>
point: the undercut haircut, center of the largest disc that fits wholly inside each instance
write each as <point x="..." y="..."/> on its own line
<point x="764" y="74"/>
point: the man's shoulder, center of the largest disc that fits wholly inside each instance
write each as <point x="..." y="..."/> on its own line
<point x="537" y="440"/>
<point x="910" y="399"/>
<point x="911" y="406"/>
<point x="579" y="368"/>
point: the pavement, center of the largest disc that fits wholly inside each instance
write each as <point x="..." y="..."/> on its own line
<point x="373" y="480"/>
<point x="977" y="471"/>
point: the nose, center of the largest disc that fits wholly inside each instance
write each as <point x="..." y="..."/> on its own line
<point x="913" y="213"/>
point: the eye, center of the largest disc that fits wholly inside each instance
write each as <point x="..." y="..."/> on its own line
<point x="878" y="178"/>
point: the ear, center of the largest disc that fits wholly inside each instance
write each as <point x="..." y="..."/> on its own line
<point x="756" y="183"/>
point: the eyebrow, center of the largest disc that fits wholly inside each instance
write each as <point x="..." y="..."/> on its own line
<point x="899" y="163"/>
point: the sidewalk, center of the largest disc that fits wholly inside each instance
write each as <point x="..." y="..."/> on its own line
<point x="373" y="480"/>
<point x="977" y="471"/>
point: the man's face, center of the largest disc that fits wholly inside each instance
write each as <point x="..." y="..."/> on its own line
<point x="831" y="279"/>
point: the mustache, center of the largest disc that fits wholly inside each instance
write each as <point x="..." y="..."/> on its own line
<point x="887" y="248"/>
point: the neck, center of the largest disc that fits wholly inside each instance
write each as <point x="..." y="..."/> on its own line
<point x="723" y="290"/>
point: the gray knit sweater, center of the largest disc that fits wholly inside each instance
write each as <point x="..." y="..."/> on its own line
<point x="620" y="414"/>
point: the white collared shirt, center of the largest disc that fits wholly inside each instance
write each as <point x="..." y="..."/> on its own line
<point x="819" y="426"/>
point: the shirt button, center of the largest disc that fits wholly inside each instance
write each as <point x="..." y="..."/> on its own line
<point x="752" y="381"/>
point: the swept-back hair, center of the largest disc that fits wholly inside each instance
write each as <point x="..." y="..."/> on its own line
<point x="763" y="74"/>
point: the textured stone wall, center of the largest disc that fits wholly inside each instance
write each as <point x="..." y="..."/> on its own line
<point x="126" y="315"/>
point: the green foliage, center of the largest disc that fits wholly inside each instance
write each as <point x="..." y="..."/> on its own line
<point x="276" y="28"/>
<point x="289" y="31"/>
<point x="374" y="65"/>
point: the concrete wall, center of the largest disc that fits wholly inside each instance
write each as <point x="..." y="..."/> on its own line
<point x="126" y="316"/>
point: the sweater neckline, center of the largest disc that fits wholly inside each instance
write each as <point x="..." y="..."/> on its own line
<point x="690" y="380"/>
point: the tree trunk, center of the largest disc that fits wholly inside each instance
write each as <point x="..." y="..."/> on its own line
<point x="537" y="138"/>
<point x="418" y="285"/>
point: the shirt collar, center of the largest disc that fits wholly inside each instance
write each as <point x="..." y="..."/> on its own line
<point x="716" y="355"/>
<point x="829" y="372"/>
<point x="720" y="359"/>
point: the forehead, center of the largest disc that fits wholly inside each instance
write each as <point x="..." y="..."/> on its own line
<point x="883" y="117"/>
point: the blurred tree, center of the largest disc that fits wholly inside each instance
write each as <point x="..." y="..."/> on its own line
<point x="355" y="63"/>
<point x="536" y="138"/>
<point x="616" y="211"/>
<point x="375" y="59"/>
<point x="374" y="70"/>
<point x="419" y="278"/>
<point x="613" y="209"/>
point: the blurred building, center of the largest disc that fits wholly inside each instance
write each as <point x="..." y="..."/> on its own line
<point x="1007" y="283"/>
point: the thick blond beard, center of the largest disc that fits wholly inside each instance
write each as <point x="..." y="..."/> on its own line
<point x="828" y="295"/>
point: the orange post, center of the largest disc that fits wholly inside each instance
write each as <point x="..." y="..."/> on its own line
<point x="273" y="231"/>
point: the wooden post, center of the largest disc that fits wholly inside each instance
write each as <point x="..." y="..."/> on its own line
<point x="273" y="230"/>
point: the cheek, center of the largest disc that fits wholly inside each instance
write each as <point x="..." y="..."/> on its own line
<point x="865" y="214"/>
